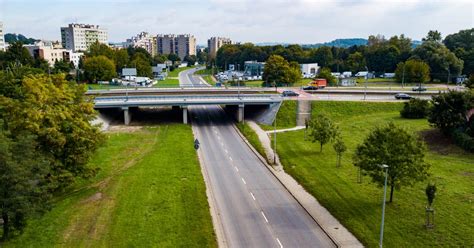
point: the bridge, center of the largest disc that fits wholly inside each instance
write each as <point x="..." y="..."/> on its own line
<point x="126" y="102"/>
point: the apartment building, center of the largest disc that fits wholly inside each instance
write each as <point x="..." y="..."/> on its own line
<point x="145" y="41"/>
<point x="214" y="43"/>
<point x="79" y="37"/>
<point x="182" y="45"/>
<point x="52" y="52"/>
<point x="2" y="38"/>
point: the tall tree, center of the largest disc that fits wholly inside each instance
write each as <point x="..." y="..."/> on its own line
<point x="18" y="54"/>
<point x="395" y="147"/>
<point x="278" y="70"/>
<point x="442" y="62"/>
<point x="433" y="35"/>
<point x="462" y="44"/>
<point x="99" y="68"/>
<point x="99" y="49"/>
<point x="450" y="110"/>
<point x="339" y="148"/>
<point x="323" y="56"/>
<point x="121" y="59"/>
<point x="142" y="65"/>
<point x="412" y="71"/>
<point x="322" y="129"/>
<point x="356" y="62"/>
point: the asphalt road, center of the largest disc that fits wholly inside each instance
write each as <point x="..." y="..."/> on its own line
<point x="255" y="210"/>
<point x="188" y="79"/>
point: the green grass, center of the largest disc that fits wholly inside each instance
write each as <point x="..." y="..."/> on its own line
<point x="286" y="116"/>
<point x="252" y="137"/>
<point x="373" y="80"/>
<point x="149" y="192"/>
<point x="358" y="206"/>
<point x="167" y="83"/>
<point x="175" y="72"/>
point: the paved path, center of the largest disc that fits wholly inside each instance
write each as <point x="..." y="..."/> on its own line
<point x="331" y="225"/>
<point x="285" y="130"/>
<point x="251" y="206"/>
<point x="188" y="79"/>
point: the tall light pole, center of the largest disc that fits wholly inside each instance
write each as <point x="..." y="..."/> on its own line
<point x="366" y="78"/>
<point x="384" y="167"/>
<point x="274" y="140"/>
<point x="403" y="75"/>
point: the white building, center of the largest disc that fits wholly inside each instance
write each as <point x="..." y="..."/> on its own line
<point x="214" y="43"/>
<point x="145" y="41"/>
<point x="309" y="69"/>
<point x="79" y="37"/>
<point x="2" y="38"/>
<point x="52" y="52"/>
<point x="181" y="45"/>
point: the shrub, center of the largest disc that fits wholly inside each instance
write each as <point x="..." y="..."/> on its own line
<point x="463" y="140"/>
<point x="415" y="109"/>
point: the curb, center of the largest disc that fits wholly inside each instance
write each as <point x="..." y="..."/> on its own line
<point x="270" y="168"/>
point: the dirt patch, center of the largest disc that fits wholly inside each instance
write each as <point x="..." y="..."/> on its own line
<point x="468" y="174"/>
<point x="94" y="197"/>
<point x="123" y="129"/>
<point x="437" y="141"/>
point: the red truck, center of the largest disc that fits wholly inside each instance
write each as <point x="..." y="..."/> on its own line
<point x="318" y="83"/>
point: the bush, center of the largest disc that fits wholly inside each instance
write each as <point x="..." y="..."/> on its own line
<point x="415" y="109"/>
<point x="463" y="140"/>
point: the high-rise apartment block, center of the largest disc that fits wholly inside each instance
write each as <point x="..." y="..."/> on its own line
<point x="145" y="41"/>
<point x="79" y="37"/>
<point x="181" y="45"/>
<point x="2" y="38"/>
<point x="214" y="43"/>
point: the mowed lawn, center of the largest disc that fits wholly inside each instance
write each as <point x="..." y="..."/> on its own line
<point x="358" y="205"/>
<point x="149" y="192"/>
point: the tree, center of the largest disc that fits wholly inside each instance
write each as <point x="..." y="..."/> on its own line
<point x="322" y="130"/>
<point x="18" y="54"/>
<point x="433" y="35"/>
<point x="159" y="59"/>
<point x="462" y="44"/>
<point x="323" y="56"/>
<point x="61" y="66"/>
<point x="413" y="71"/>
<point x="202" y="56"/>
<point x="395" y="147"/>
<point x="356" y="62"/>
<point x="450" y="110"/>
<point x="191" y="59"/>
<point x="174" y="58"/>
<point x="415" y="109"/>
<point x="430" y="193"/>
<point x="23" y="173"/>
<point x="100" y="49"/>
<point x="99" y="68"/>
<point x="278" y="70"/>
<point x="339" y="148"/>
<point x="143" y="66"/>
<point x="442" y="62"/>
<point x="121" y="59"/>
<point x="326" y="74"/>
<point x="470" y="82"/>
<point x="57" y="114"/>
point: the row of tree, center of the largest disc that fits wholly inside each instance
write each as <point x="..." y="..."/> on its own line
<point x="380" y="55"/>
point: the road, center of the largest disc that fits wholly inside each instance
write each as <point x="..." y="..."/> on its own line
<point x="387" y="97"/>
<point x="188" y="79"/>
<point x="254" y="209"/>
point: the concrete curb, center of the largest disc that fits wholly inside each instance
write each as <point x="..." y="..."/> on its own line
<point x="213" y="209"/>
<point x="340" y="236"/>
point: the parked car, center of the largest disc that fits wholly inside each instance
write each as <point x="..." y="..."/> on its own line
<point x="289" y="93"/>
<point x="419" y="88"/>
<point x="311" y="87"/>
<point x="402" y="96"/>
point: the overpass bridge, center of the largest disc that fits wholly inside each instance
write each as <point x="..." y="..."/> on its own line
<point x="126" y="102"/>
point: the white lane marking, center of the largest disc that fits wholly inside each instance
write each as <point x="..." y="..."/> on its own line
<point x="265" y="217"/>
<point x="225" y="150"/>
<point x="230" y="158"/>
<point x="237" y="169"/>
<point x="222" y="143"/>
<point x="252" y="196"/>
<point x="243" y="180"/>
<point x="281" y="246"/>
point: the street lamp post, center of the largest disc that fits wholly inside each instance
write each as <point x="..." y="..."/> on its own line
<point x="403" y="75"/>
<point x="366" y="78"/>
<point x="384" y="167"/>
<point x="274" y="140"/>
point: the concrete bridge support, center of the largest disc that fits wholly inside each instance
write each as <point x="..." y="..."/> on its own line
<point x="127" y="116"/>
<point x="240" y="113"/>
<point x="185" y="114"/>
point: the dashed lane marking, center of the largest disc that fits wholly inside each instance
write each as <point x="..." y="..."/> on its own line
<point x="243" y="180"/>
<point x="265" y="217"/>
<point x="253" y="197"/>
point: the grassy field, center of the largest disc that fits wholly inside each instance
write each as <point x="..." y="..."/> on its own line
<point x="149" y="192"/>
<point x="251" y="137"/>
<point x="175" y="72"/>
<point x="358" y="205"/>
<point x="167" y="83"/>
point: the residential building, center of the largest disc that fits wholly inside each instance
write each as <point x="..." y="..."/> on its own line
<point x="181" y="45"/>
<point x="309" y="69"/>
<point x="214" y="43"/>
<point x="79" y="37"/>
<point x="52" y="52"/>
<point x="145" y="41"/>
<point x="2" y="38"/>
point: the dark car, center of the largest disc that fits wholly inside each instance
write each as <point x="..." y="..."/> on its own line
<point x="289" y="93"/>
<point x="402" y="96"/>
<point x="310" y="88"/>
<point x="419" y="88"/>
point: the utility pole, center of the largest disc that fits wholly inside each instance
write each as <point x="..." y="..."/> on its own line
<point x="366" y="78"/>
<point x="403" y="75"/>
<point x="274" y="140"/>
<point x="384" y="167"/>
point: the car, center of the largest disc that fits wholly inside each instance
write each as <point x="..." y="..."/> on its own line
<point x="402" y="96"/>
<point x="310" y="87"/>
<point x="419" y="88"/>
<point x="289" y="93"/>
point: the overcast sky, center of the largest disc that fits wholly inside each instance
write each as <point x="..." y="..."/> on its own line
<point x="292" y="21"/>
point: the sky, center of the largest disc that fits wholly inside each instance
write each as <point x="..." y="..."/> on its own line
<point x="289" y="21"/>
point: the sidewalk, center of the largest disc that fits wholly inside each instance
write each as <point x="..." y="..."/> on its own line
<point x="283" y="130"/>
<point x="338" y="233"/>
